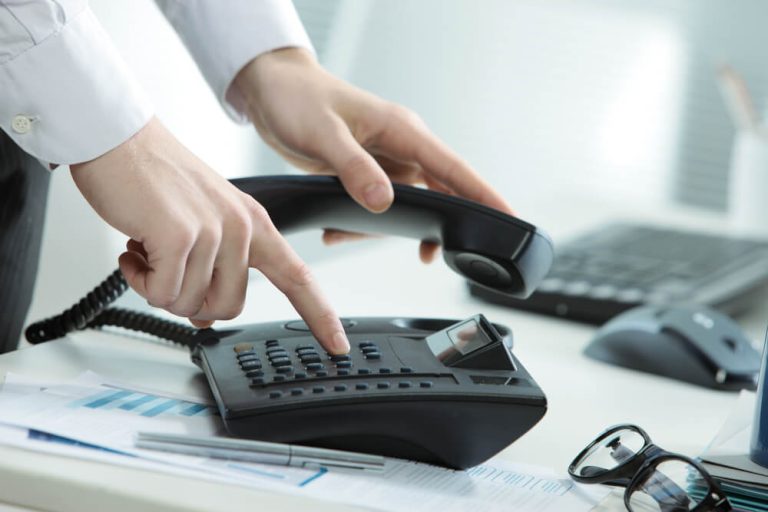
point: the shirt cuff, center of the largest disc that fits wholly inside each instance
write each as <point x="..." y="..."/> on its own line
<point x="71" y="98"/>
<point x="225" y="36"/>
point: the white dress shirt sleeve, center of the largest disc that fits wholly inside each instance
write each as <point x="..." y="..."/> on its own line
<point x="66" y="96"/>
<point x="223" y="36"/>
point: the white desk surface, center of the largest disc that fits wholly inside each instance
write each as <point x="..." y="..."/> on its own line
<point x="381" y="278"/>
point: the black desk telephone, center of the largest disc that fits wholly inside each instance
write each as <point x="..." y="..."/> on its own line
<point x="446" y="392"/>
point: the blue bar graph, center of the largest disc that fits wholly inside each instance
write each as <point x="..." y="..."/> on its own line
<point x="141" y="404"/>
<point x="101" y="402"/>
<point x="158" y="409"/>
<point x="129" y="406"/>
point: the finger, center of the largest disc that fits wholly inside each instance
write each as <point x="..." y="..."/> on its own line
<point x="358" y="171"/>
<point x="136" y="246"/>
<point x="407" y="138"/>
<point x="272" y="255"/>
<point x="428" y="251"/>
<point x="134" y="267"/>
<point x="201" y="324"/>
<point x="336" y="236"/>
<point x="197" y="275"/>
<point x="406" y="173"/>
<point x="226" y="295"/>
<point x="435" y="185"/>
<point x="164" y="276"/>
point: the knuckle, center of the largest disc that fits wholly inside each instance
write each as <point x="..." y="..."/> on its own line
<point x="239" y="223"/>
<point x="183" y="238"/>
<point x="210" y="235"/>
<point x="162" y="299"/>
<point x="186" y="311"/>
<point x="300" y="275"/>
<point x="258" y="215"/>
<point x="356" y="163"/>
<point x="230" y="311"/>
<point x="402" y="115"/>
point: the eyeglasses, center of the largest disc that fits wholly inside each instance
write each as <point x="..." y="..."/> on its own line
<point x="655" y="480"/>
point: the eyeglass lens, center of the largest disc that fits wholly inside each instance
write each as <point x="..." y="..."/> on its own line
<point x="671" y="486"/>
<point x="610" y="452"/>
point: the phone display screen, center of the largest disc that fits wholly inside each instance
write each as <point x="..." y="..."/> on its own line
<point x="458" y="340"/>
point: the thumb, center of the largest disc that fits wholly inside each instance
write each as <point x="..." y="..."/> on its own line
<point x="360" y="173"/>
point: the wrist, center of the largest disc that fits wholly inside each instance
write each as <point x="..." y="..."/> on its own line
<point x="261" y="71"/>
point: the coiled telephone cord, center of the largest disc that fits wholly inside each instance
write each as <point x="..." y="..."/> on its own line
<point x="92" y="311"/>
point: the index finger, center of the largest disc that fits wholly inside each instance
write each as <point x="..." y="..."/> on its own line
<point x="407" y="138"/>
<point x="274" y="257"/>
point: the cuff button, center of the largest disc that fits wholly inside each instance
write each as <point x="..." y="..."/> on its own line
<point x="21" y="124"/>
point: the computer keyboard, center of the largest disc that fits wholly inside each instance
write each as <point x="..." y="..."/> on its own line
<point x="616" y="267"/>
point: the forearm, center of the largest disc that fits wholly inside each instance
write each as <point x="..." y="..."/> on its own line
<point x="67" y="96"/>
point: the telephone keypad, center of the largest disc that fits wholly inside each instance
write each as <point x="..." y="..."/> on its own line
<point x="301" y="364"/>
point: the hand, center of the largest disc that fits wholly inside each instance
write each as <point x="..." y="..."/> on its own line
<point x="327" y="126"/>
<point x="193" y="235"/>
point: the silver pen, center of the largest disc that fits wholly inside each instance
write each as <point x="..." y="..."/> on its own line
<point x="263" y="452"/>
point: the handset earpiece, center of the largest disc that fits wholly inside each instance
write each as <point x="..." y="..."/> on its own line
<point x="483" y="245"/>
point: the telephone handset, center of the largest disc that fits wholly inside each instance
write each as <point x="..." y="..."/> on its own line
<point x="441" y="391"/>
<point x="484" y="245"/>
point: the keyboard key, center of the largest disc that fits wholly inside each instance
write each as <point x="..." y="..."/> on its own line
<point x="251" y="365"/>
<point x="382" y="385"/>
<point x="340" y="387"/>
<point x="425" y="384"/>
<point x="297" y="391"/>
<point x="315" y="366"/>
<point x="373" y="355"/>
<point x="318" y="389"/>
<point x="275" y="394"/>
<point x="404" y="384"/>
<point x="243" y="347"/>
<point x="361" y="386"/>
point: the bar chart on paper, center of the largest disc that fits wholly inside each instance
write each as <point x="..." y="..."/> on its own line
<point x="141" y="404"/>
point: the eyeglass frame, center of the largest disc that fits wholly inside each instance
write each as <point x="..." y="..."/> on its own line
<point x="628" y="473"/>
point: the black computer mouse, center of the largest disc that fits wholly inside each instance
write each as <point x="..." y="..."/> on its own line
<point x="692" y="343"/>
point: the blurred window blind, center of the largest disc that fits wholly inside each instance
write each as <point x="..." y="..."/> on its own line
<point x="717" y="31"/>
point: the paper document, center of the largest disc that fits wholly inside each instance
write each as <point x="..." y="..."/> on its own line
<point x="92" y="418"/>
